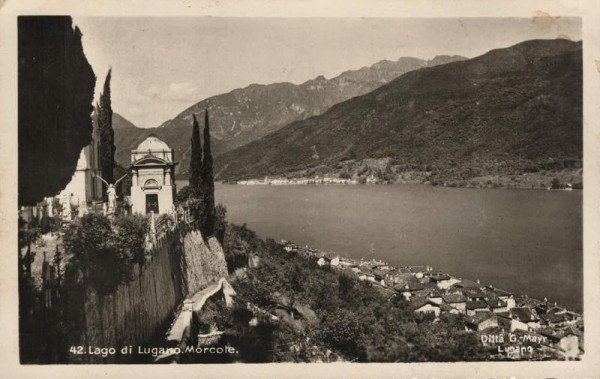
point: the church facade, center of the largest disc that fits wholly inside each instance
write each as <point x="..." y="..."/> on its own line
<point x="153" y="177"/>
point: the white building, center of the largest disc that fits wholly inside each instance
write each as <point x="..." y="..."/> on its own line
<point x="84" y="188"/>
<point x="153" y="177"/>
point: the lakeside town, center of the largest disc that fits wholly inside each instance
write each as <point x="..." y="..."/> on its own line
<point x="555" y="185"/>
<point x="508" y="325"/>
<point x="301" y="181"/>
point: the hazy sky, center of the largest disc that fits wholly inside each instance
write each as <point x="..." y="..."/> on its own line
<point x="163" y="65"/>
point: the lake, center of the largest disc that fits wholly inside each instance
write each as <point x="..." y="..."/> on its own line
<point x="525" y="241"/>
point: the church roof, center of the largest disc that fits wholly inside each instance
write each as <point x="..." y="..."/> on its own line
<point x="150" y="160"/>
<point x="153" y="143"/>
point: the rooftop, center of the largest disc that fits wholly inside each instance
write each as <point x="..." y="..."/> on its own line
<point x="523" y="314"/>
<point x="453" y="298"/>
<point x="496" y="303"/>
<point x="438" y="277"/>
<point x="154" y="144"/>
<point x="477" y="304"/>
<point x="473" y="292"/>
<point x="418" y="302"/>
<point x="480" y="317"/>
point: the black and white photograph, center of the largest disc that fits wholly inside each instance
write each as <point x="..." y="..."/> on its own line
<point x="322" y="191"/>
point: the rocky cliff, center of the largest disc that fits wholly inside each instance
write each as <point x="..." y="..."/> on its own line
<point x="139" y="311"/>
<point x="203" y="263"/>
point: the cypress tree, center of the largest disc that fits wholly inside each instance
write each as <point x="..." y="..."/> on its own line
<point x="208" y="194"/>
<point x="107" y="136"/>
<point x="196" y="161"/>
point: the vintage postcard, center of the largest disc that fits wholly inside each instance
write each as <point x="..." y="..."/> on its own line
<point x="314" y="189"/>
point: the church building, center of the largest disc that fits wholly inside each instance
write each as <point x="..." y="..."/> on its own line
<point x="84" y="188"/>
<point x="153" y="177"/>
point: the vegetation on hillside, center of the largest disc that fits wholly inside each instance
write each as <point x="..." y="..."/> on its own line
<point x="387" y="171"/>
<point x="321" y="309"/>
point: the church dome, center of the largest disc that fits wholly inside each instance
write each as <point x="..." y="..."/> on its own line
<point x="153" y="143"/>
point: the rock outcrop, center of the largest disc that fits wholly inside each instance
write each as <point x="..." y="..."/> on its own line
<point x="139" y="311"/>
<point x="204" y="263"/>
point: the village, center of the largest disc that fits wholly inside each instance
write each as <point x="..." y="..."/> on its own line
<point x="509" y="326"/>
<point x="300" y="181"/>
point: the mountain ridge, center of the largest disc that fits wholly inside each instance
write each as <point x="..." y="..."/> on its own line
<point x="245" y="114"/>
<point x="438" y="121"/>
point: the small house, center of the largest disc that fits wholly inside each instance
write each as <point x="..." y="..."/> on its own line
<point x="496" y="305"/>
<point x="523" y="318"/>
<point x="423" y="306"/>
<point x="335" y="261"/>
<point x="481" y="321"/>
<point x="441" y="280"/>
<point x="435" y="297"/>
<point x="475" y="306"/>
<point x="323" y="261"/>
<point x="456" y="301"/>
<point x="507" y="297"/>
<point x="556" y="318"/>
<point x="419" y="271"/>
<point x="473" y="294"/>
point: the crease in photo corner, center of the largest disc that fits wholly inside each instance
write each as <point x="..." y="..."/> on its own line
<point x="569" y="364"/>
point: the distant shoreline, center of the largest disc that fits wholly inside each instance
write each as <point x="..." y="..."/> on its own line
<point x="395" y="184"/>
<point x="312" y="182"/>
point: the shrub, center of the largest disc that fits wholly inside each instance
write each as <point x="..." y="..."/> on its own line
<point x="238" y="243"/>
<point x="183" y="194"/>
<point x="343" y="332"/>
<point x="97" y="252"/>
<point x="132" y="231"/>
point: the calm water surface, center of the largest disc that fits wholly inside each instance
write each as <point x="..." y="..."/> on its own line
<point x="520" y="240"/>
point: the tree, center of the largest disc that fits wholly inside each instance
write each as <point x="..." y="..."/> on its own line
<point x="196" y="160"/>
<point x="107" y="136"/>
<point x="220" y="222"/>
<point x="55" y="95"/>
<point x="208" y="193"/>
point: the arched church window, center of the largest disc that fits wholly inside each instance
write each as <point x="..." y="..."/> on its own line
<point x="151" y="183"/>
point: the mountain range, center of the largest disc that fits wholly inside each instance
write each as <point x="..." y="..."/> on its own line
<point x="511" y="111"/>
<point x="246" y="114"/>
